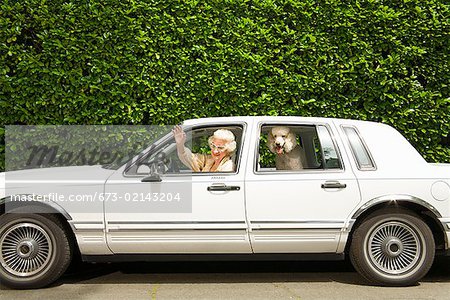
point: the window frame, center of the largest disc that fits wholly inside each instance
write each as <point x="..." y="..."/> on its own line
<point x="161" y="142"/>
<point x="302" y="171"/>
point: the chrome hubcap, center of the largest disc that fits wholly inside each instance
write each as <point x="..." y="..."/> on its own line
<point x="394" y="247"/>
<point x="26" y="249"/>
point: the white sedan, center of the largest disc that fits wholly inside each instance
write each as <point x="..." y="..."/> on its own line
<point x="288" y="188"/>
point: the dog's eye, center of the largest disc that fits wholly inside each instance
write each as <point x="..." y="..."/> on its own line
<point x="283" y="136"/>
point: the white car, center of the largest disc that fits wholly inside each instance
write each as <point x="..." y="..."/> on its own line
<point x="363" y="192"/>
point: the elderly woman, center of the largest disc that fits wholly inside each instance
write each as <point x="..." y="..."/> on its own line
<point x="222" y="144"/>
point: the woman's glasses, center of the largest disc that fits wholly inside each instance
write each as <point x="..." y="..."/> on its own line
<point x="217" y="148"/>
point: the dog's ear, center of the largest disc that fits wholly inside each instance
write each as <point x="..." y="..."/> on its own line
<point x="290" y="142"/>
<point x="271" y="141"/>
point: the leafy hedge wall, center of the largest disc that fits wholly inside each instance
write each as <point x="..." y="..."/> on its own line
<point x="154" y="62"/>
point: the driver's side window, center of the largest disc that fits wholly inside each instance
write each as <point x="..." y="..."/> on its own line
<point x="165" y="159"/>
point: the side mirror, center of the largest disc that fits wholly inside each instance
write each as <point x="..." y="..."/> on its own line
<point x="154" y="171"/>
<point x="152" y="178"/>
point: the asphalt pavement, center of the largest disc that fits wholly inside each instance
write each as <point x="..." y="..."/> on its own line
<point x="231" y="280"/>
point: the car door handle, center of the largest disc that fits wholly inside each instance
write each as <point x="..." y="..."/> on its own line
<point x="214" y="188"/>
<point x="333" y="185"/>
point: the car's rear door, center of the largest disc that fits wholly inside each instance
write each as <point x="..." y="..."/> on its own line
<point x="301" y="211"/>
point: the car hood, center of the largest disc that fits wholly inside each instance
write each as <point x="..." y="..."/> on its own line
<point x="73" y="174"/>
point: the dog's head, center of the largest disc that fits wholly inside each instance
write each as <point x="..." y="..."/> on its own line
<point x="281" y="140"/>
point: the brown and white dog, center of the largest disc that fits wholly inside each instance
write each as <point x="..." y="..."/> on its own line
<point x="282" y="141"/>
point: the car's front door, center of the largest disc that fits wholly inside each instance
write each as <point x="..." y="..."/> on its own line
<point x="186" y="212"/>
<point x="302" y="210"/>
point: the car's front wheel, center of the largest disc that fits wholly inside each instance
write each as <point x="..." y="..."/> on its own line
<point x="392" y="247"/>
<point x="34" y="250"/>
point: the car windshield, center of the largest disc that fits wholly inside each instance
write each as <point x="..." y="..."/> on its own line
<point x="126" y="151"/>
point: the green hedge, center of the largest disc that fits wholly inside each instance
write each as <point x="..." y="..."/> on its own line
<point x="155" y="62"/>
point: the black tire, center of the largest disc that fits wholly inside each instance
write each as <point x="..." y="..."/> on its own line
<point x="35" y="250"/>
<point x="392" y="247"/>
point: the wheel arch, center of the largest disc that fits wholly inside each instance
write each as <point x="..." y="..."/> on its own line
<point x="8" y="205"/>
<point x="428" y="213"/>
<point x="28" y="204"/>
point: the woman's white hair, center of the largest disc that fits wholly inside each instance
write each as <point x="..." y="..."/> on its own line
<point x="226" y="135"/>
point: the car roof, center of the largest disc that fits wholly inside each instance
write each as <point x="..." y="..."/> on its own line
<point x="212" y="120"/>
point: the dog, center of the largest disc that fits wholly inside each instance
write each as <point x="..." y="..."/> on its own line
<point x="283" y="142"/>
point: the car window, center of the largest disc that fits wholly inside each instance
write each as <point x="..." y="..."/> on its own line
<point x="329" y="154"/>
<point x="198" y="147"/>
<point x="359" y="150"/>
<point x="287" y="147"/>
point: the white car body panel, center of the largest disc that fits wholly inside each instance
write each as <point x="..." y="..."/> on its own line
<point x="66" y="182"/>
<point x="216" y="224"/>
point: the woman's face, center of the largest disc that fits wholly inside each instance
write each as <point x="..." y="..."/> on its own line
<point x="218" y="148"/>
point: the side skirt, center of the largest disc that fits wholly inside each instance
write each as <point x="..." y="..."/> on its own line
<point x="214" y="257"/>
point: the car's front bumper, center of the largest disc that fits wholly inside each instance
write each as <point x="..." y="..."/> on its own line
<point x="446" y="225"/>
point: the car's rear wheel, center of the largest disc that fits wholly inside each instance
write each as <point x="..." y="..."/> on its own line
<point x="392" y="247"/>
<point x="34" y="250"/>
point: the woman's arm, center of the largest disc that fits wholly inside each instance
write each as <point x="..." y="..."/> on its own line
<point x="192" y="160"/>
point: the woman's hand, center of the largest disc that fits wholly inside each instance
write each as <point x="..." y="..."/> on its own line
<point x="179" y="135"/>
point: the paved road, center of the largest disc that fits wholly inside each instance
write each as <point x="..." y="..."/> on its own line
<point x="231" y="280"/>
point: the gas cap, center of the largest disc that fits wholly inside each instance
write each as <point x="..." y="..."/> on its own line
<point x="440" y="190"/>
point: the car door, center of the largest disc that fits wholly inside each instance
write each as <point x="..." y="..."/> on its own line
<point x="184" y="212"/>
<point x="306" y="210"/>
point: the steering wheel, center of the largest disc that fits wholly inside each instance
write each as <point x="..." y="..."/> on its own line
<point x="172" y="165"/>
<point x="166" y="164"/>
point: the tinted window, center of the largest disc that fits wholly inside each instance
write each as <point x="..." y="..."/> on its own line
<point x="359" y="150"/>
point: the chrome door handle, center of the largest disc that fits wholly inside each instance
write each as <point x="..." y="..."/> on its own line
<point x="214" y="188"/>
<point x="333" y="185"/>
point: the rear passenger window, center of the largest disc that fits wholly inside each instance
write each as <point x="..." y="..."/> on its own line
<point x="288" y="147"/>
<point x="359" y="149"/>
